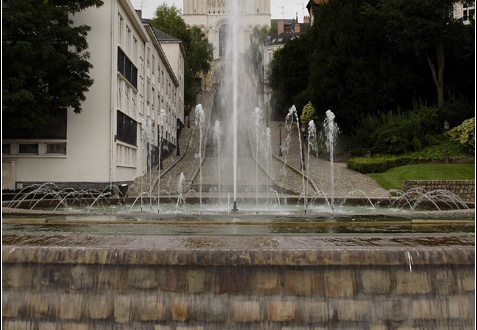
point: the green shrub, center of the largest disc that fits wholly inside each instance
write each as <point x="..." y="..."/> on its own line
<point x="377" y="164"/>
<point x="308" y="114"/>
<point x="464" y="134"/>
<point x="398" y="132"/>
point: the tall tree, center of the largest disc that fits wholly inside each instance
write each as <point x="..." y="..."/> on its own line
<point x="199" y="52"/>
<point x="45" y="67"/>
<point x="426" y="27"/>
<point x="289" y="73"/>
<point x="354" y="71"/>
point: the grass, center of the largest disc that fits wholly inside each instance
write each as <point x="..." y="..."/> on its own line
<point x="392" y="178"/>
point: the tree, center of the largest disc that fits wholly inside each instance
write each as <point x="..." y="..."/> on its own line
<point x="289" y="75"/>
<point x="424" y="26"/>
<point x="199" y="52"/>
<point x="255" y="56"/>
<point x="45" y="62"/>
<point x="308" y="114"/>
<point x="464" y="134"/>
<point x="354" y="71"/>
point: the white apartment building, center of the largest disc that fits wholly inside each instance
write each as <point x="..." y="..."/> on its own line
<point x="464" y="11"/>
<point x="135" y="102"/>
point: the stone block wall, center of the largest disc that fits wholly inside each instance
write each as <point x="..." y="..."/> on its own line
<point x="140" y="297"/>
<point x="347" y="288"/>
<point x="465" y="189"/>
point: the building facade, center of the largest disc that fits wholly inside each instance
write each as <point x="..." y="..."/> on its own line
<point x="134" y="106"/>
<point x="213" y="17"/>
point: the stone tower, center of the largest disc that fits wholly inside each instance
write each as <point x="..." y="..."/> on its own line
<point x="212" y="16"/>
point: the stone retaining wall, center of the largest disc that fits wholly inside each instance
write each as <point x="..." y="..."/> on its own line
<point x="465" y="189"/>
<point x="222" y="287"/>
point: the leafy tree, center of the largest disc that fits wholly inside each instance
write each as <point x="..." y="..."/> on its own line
<point x="169" y="20"/>
<point x="289" y="72"/>
<point x="464" y="134"/>
<point x="426" y="27"/>
<point x="199" y="52"/>
<point x="308" y="114"/>
<point x="45" y="61"/>
<point x="353" y="69"/>
<point x="255" y="55"/>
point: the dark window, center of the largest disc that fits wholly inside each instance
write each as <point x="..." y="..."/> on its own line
<point x="56" y="130"/>
<point x="28" y="148"/>
<point x="126" y="129"/>
<point x="127" y="68"/>
<point x="6" y="148"/>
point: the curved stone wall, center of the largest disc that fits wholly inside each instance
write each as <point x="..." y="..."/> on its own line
<point x="238" y="282"/>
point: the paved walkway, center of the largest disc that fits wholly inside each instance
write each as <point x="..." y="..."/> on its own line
<point x="285" y="174"/>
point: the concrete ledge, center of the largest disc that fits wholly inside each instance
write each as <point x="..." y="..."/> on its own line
<point x="419" y="249"/>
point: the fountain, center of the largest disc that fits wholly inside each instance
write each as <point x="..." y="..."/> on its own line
<point x="200" y="119"/>
<point x="217" y="138"/>
<point x="93" y="259"/>
<point x="331" y="130"/>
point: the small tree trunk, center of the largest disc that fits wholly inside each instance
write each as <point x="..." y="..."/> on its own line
<point x="438" y="75"/>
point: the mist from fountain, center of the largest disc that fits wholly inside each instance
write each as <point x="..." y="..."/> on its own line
<point x="161" y="119"/>
<point x="268" y="155"/>
<point x="291" y="117"/>
<point x="258" y="118"/>
<point x="312" y="146"/>
<point x="147" y="137"/>
<point x="331" y="131"/>
<point x="200" y="119"/>
<point x="217" y="139"/>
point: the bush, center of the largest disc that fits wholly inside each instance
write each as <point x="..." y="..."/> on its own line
<point x="308" y="114"/>
<point x="398" y="132"/>
<point x="464" y="134"/>
<point x="377" y="164"/>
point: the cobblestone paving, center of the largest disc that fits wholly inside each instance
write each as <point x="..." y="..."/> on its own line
<point x="285" y="174"/>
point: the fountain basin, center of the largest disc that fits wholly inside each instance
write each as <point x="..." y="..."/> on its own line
<point x="56" y="271"/>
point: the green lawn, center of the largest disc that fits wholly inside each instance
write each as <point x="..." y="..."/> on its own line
<point x="392" y="178"/>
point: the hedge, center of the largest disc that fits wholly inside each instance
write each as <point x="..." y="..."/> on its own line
<point x="377" y="164"/>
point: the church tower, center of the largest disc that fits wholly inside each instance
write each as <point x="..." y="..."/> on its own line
<point x="212" y="17"/>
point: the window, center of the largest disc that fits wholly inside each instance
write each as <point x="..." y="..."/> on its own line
<point x="126" y="129"/>
<point x="56" y="148"/>
<point x="5" y="148"/>
<point x="127" y="68"/>
<point x="222" y="40"/>
<point x="28" y="148"/>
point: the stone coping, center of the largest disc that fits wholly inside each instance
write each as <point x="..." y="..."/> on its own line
<point x="195" y="250"/>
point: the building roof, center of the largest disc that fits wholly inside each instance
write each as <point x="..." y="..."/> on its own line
<point x="284" y="37"/>
<point x="160" y="35"/>
<point x="164" y="37"/>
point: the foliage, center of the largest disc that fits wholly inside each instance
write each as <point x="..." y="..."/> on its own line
<point x="308" y="114"/>
<point x="255" y="54"/>
<point x="464" y="134"/>
<point x="45" y="61"/>
<point x="393" y="178"/>
<point x="199" y="52"/>
<point x="376" y="164"/>
<point x="434" y="153"/>
<point x="425" y="27"/>
<point x="394" y="132"/>
<point x="357" y="60"/>
<point x="354" y="70"/>
<point x="289" y="75"/>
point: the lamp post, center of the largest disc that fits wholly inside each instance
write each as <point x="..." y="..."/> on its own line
<point x="280" y="147"/>
<point x="446" y="128"/>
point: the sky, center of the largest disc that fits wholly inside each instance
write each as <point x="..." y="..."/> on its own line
<point x="279" y="8"/>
